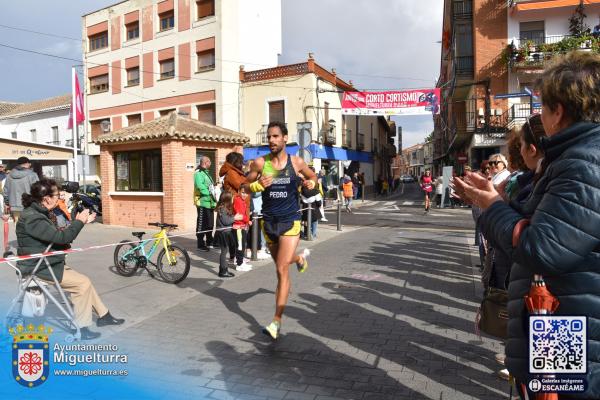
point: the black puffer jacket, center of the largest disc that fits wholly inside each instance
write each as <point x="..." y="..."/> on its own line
<point x="562" y="243"/>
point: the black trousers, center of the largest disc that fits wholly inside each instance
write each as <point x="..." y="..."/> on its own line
<point x="204" y="222"/>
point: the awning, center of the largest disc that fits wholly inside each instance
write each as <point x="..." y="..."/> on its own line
<point x="317" y="151"/>
<point x="11" y="149"/>
<point x="541" y="5"/>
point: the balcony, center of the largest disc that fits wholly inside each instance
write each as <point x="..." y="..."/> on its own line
<point x="261" y="136"/>
<point x="536" y="53"/>
<point x="360" y="145"/>
<point x="347" y="138"/>
<point x="464" y="66"/>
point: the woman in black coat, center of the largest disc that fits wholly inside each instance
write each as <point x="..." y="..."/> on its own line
<point x="556" y="233"/>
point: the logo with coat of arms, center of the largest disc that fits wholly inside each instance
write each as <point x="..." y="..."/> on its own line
<point x="30" y="354"/>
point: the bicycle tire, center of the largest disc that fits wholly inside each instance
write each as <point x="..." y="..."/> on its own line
<point x="122" y="268"/>
<point x="169" y="276"/>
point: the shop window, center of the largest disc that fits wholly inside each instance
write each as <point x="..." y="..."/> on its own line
<point x="139" y="171"/>
<point x="206" y="60"/>
<point x="207" y="113"/>
<point x="133" y="30"/>
<point x="167" y="69"/>
<point x="133" y="76"/>
<point x="167" y="20"/>
<point x="277" y="111"/>
<point x="99" y="41"/>
<point x="99" y="84"/>
<point x="206" y="8"/>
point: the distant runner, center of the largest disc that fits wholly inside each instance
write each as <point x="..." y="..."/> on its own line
<point x="427" y="186"/>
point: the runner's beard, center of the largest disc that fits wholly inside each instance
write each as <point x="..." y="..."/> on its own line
<point x="278" y="149"/>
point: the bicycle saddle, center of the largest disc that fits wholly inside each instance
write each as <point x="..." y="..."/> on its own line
<point x="138" y="234"/>
<point x="162" y="225"/>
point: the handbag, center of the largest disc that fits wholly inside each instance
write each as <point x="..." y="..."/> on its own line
<point x="34" y="301"/>
<point x="493" y="314"/>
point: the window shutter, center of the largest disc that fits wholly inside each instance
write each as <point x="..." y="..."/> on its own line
<point x="276" y="111"/>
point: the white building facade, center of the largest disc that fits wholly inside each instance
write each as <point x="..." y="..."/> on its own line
<point x="145" y="58"/>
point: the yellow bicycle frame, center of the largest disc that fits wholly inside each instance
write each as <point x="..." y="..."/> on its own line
<point x="166" y="242"/>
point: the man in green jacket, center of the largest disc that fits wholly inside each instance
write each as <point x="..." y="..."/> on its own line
<point x="204" y="198"/>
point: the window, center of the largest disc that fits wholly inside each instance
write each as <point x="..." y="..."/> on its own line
<point x="167" y="69"/>
<point x="212" y="156"/>
<point x="96" y="128"/>
<point x="206" y="8"/>
<point x="277" y="111"/>
<point x="99" y="84"/>
<point x="133" y="76"/>
<point x="166" y="112"/>
<point x="133" y="30"/>
<point x="98" y="41"/>
<point x="206" y="60"/>
<point x="134" y="119"/>
<point x="207" y="113"/>
<point x="139" y="171"/>
<point x="532" y="30"/>
<point x="33" y="135"/>
<point x="55" y="138"/>
<point x="13" y="135"/>
<point x="167" y="20"/>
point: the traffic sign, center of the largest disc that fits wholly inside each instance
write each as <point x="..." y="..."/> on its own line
<point x="510" y="95"/>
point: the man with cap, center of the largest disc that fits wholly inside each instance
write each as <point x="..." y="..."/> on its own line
<point x="19" y="181"/>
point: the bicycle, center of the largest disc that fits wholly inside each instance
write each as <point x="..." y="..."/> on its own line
<point x="129" y="257"/>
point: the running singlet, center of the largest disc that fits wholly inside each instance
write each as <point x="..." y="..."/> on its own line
<point x="426" y="183"/>
<point x="280" y="200"/>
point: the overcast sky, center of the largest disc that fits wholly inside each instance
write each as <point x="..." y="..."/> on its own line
<point x="378" y="44"/>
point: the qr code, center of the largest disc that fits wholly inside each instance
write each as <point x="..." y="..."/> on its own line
<point x="557" y="344"/>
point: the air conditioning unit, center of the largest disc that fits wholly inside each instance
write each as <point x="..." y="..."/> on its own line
<point x="498" y="111"/>
<point x="481" y="112"/>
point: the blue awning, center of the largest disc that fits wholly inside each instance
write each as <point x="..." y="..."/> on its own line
<point x="317" y="151"/>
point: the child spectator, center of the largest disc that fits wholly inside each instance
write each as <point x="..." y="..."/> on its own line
<point x="240" y="226"/>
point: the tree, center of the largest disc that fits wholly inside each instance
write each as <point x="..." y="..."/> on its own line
<point x="577" y="26"/>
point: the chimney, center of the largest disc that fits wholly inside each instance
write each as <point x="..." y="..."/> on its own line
<point x="242" y="73"/>
<point x="311" y="62"/>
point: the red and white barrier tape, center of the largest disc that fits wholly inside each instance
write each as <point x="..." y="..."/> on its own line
<point x="81" y="249"/>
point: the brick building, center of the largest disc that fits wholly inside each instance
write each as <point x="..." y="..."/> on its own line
<point x="147" y="169"/>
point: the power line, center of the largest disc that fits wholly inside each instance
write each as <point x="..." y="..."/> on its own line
<point x="220" y="59"/>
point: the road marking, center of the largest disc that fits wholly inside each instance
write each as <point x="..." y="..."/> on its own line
<point x="408" y="203"/>
<point x="438" y="230"/>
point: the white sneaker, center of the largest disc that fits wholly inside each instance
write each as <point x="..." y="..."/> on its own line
<point x="262" y="255"/>
<point x="504" y="374"/>
<point x="244" y="267"/>
<point x="324" y="219"/>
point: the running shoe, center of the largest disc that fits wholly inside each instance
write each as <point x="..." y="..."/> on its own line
<point x="272" y="329"/>
<point x="262" y="255"/>
<point x="302" y="266"/>
<point x="504" y="374"/>
<point x="244" y="267"/>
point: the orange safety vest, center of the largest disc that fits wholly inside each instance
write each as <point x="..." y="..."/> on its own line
<point x="347" y="189"/>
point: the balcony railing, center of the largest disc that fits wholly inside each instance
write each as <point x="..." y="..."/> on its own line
<point x="360" y="145"/>
<point x="537" y="52"/>
<point x="464" y="66"/>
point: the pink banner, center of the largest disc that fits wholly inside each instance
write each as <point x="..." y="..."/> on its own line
<point x="407" y="102"/>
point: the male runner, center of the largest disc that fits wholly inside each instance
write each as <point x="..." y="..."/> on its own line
<point x="278" y="179"/>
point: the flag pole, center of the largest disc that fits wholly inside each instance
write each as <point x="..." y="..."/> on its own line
<point x="74" y="123"/>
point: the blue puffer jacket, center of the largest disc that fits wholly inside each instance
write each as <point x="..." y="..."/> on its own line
<point x="562" y="243"/>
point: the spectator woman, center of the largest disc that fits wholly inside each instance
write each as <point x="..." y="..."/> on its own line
<point x="35" y="231"/>
<point x="556" y="233"/>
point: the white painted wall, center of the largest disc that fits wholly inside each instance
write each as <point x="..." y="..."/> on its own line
<point x="42" y="123"/>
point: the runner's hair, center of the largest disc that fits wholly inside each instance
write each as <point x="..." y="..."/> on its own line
<point x="279" y="125"/>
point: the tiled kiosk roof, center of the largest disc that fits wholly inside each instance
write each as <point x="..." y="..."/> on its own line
<point x="173" y="126"/>
<point x="12" y="110"/>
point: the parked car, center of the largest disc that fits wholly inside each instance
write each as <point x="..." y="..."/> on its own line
<point x="407" y="178"/>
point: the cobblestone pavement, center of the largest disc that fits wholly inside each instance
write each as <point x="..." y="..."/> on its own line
<point x="385" y="311"/>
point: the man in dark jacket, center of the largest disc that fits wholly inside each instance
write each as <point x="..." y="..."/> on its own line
<point x="19" y="181"/>
<point x="556" y="234"/>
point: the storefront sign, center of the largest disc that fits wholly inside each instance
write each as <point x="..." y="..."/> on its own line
<point x="408" y="102"/>
<point x="12" y="149"/>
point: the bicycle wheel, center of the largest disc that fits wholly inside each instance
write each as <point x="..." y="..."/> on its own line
<point x="179" y="267"/>
<point x="126" y="264"/>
